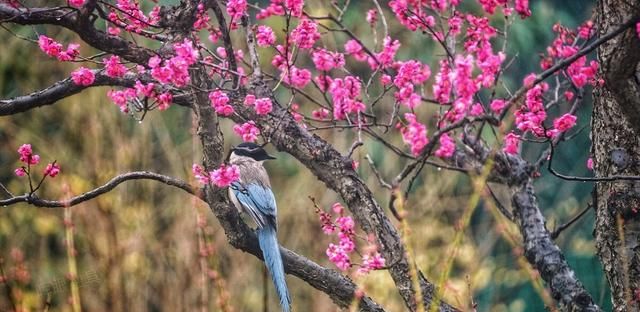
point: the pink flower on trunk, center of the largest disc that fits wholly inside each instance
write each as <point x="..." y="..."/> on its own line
<point x="263" y="106"/>
<point x="83" y="76"/>
<point x="225" y="175"/>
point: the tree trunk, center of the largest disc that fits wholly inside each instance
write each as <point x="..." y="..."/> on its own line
<point x="616" y="151"/>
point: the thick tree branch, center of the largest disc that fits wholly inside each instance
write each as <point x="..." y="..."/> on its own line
<point x="82" y="25"/>
<point x="65" y="88"/>
<point x="545" y="255"/>
<point x="540" y="250"/>
<point x="58" y="91"/>
<point x="117" y="180"/>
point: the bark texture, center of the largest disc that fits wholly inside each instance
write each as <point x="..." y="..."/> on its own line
<point x="616" y="148"/>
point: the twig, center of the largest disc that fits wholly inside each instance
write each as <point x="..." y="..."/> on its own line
<point x="136" y="175"/>
<point x="563" y="227"/>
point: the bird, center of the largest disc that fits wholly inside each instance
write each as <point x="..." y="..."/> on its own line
<point x="252" y="194"/>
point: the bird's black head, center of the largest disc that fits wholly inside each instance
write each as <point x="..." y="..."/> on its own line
<point x="252" y="150"/>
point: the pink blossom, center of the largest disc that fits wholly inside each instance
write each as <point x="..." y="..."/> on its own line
<point x="568" y="95"/>
<point x="83" y="76"/>
<point x="70" y="54"/>
<point x="325" y="219"/>
<point x="385" y="57"/>
<point x="274" y="8"/>
<point x="586" y="30"/>
<point x="202" y="18"/>
<point x="337" y="208"/>
<point x="76" y="3"/>
<point x="297" y="77"/>
<point x="411" y="72"/>
<point x="353" y="48"/>
<point x="199" y="173"/>
<point x="327" y="60"/>
<point x="250" y="100"/>
<point x="49" y="46"/>
<point x="373" y="261"/>
<point x="294" y="7"/>
<point x="345" y="93"/>
<point x="113" y="67"/>
<point x="564" y="122"/>
<point x="346" y="224"/>
<point x="511" y="143"/>
<point x="265" y="36"/>
<point x="121" y="97"/>
<point x="236" y="9"/>
<point x="414" y="134"/>
<point x="263" y="106"/>
<point x="186" y="51"/>
<point x="385" y="80"/>
<point x="442" y="86"/>
<point x="447" y="147"/>
<point x="27" y="156"/>
<point x="320" y="113"/>
<point x="164" y="100"/>
<point x="225" y="175"/>
<point x="145" y="90"/>
<point x="638" y="29"/>
<point x="529" y="80"/>
<point x="522" y="7"/>
<point x="20" y="172"/>
<point x="52" y="170"/>
<point x="248" y="131"/>
<point x="220" y="102"/>
<point x="590" y="163"/>
<point x="305" y="34"/>
<point x="498" y="105"/>
<point x="339" y="257"/>
<point x="372" y="17"/>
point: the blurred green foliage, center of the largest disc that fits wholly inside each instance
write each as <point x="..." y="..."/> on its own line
<point x="142" y="238"/>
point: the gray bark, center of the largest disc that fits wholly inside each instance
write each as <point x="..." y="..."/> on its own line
<point x="616" y="150"/>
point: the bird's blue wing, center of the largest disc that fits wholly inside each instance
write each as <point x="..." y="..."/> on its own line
<point x="258" y="201"/>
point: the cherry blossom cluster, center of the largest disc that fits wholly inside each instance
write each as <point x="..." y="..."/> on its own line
<point x="340" y="253"/>
<point x="29" y="159"/>
<point x="221" y="177"/>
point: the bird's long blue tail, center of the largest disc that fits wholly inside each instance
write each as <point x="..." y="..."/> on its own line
<point x="269" y="245"/>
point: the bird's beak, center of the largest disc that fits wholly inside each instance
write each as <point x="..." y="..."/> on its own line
<point x="270" y="157"/>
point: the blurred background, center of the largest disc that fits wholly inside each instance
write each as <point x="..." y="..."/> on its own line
<point x="139" y="246"/>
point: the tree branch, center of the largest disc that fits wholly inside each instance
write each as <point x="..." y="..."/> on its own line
<point x="58" y="91"/>
<point x="67" y="87"/>
<point x="82" y="25"/>
<point x="117" y="180"/>
<point x="545" y="255"/>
